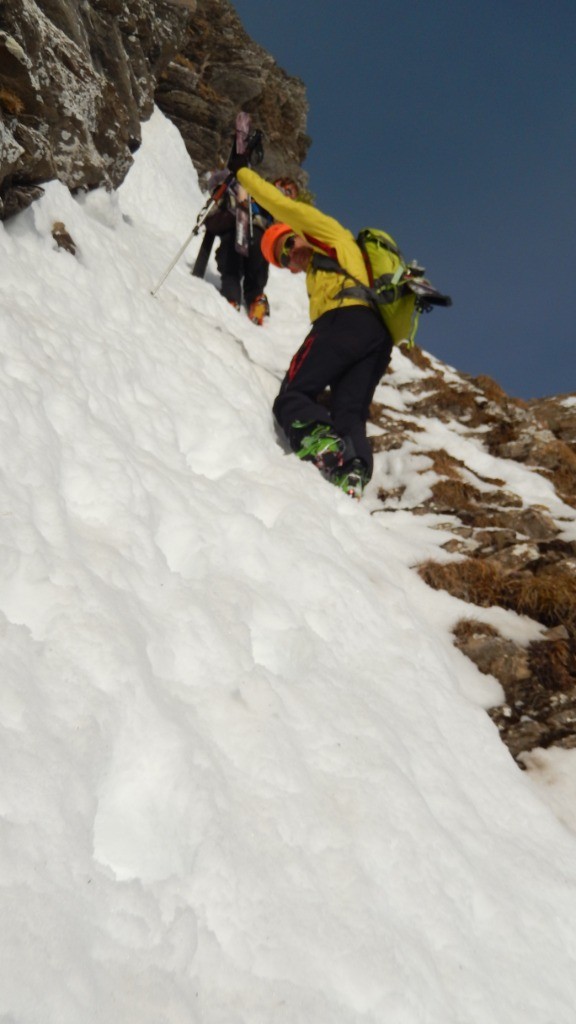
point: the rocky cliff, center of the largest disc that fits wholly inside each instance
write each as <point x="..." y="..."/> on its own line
<point x="220" y="70"/>
<point x="77" y="78"/>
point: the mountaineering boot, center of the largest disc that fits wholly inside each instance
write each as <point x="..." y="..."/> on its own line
<point x="351" y="478"/>
<point x="318" y="443"/>
<point x="258" y="309"/>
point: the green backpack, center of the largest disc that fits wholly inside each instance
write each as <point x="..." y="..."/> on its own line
<point x="399" y="291"/>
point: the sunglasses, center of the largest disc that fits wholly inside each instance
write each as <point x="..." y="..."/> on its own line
<point x="287" y="186"/>
<point x="286" y="251"/>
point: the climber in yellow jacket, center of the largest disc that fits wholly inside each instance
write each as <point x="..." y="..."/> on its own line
<point x="347" y="349"/>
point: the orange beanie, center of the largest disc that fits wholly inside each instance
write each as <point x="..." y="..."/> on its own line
<point x="270" y="239"/>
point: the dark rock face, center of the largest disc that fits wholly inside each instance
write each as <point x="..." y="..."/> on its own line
<point x="77" y="78"/>
<point x="219" y="71"/>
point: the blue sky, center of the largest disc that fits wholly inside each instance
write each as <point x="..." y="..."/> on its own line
<point x="453" y="126"/>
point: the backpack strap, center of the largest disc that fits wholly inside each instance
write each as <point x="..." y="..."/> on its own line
<point x="384" y="243"/>
<point x="359" y="291"/>
<point x="385" y="288"/>
<point x="322" y="262"/>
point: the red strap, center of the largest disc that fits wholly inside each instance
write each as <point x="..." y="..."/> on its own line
<point x="368" y="266"/>
<point x="323" y="246"/>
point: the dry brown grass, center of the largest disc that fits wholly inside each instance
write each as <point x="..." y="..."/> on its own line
<point x="446" y="465"/>
<point x="468" y="502"/>
<point x="12" y="103"/>
<point x="446" y="401"/>
<point x="453" y="495"/>
<point x="489" y="388"/>
<point x="470" y="629"/>
<point x="494" y="393"/>
<point x="63" y="238"/>
<point x="416" y="356"/>
<point x="386" y="442"/>
<point x="472" y="580"/>
<point x="388" y="419"/>
<point x="392" y="436"/>
<point x="548" y="597"/>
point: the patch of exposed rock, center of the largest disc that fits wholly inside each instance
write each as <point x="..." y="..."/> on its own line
<point x="511" y="555"/>
<point x="76" y="81"/>
<point x="78" y="77"/>
<point x="221" y="70"/>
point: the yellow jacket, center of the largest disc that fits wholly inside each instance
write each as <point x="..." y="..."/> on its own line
<point x="323" y="233"/>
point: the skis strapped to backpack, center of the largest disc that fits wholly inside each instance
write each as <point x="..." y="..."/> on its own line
<point x="244" y="141"/>
<point x="243" y="221"/>
<point x="399" y="291"/>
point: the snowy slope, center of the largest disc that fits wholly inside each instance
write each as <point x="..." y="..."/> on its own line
<point x="246" y="777"/>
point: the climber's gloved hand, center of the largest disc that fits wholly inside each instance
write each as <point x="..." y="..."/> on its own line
<point x="238" y="161"/>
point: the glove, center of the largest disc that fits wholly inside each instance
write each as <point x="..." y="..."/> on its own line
<point x="237" y="161"/>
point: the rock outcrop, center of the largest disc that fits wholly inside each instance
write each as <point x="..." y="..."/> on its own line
<point x="78" y="77"/>
<point x="512" y="555"/>
<point x="76" y="81"/>
<point x="221" y="70"/>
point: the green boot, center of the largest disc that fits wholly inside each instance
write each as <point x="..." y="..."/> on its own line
<point x="351" y="478"/>
<point x="317" y="443"/>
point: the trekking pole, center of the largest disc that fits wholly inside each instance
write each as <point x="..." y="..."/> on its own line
<point x="250" y="220"/>
<point x="212" y="201"/>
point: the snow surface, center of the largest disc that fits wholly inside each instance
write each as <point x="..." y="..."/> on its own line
<point x="246" y="777"/>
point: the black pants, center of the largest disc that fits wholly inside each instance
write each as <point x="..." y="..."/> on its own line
<point x="347" y="350"/>
<point x="234" y="269"/>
